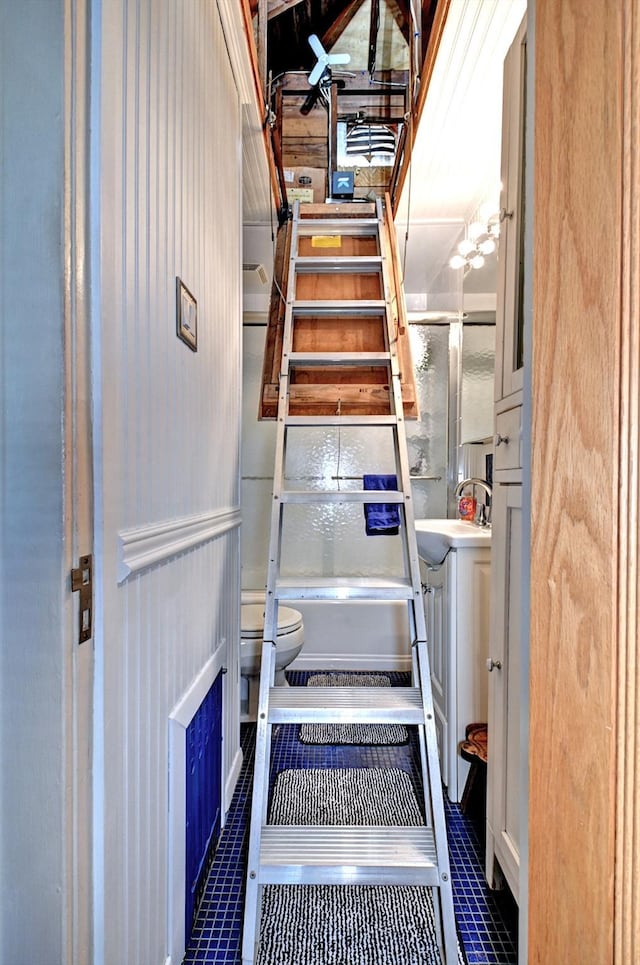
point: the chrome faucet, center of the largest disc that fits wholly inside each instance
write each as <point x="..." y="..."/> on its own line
<point x="483" y="515"/>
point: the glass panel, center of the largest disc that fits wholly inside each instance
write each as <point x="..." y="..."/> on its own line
<point x="478" y="364"/>
<point x="427" y="436"/>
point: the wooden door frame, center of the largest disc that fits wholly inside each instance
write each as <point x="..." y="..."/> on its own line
<point x="583" y="727"/>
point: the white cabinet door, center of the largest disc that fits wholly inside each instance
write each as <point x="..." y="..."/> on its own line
<point x="436" y="612"/>
<point x="503" y="771"/>
<point x="510" y="286"/>
<point x="470" y="601"/>
<point x="456" y="597"/>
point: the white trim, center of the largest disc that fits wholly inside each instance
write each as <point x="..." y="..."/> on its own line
<point x="142" y="546"/>
<point x="230" y="784"/>
<point x="232" y="21"/>
<point x="179" y="719"/>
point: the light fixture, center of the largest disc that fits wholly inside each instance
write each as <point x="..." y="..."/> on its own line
<point x="481" y="240"/>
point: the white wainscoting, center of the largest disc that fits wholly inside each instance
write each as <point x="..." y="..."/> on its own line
<point x="142" y="547"/>
<point x="167" y="159"/>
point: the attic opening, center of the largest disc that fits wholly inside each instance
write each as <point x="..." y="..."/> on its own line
<point x="344" y="82"/>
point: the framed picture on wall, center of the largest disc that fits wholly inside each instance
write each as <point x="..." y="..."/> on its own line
<point x="186" y="316"/>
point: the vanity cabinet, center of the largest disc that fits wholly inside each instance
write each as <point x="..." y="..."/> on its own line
<point x="503" y="672"/>
<point x="504" y="785"/>
<point x="456" y="603"/>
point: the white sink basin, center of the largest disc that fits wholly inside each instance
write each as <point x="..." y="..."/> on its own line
<point x="436" y="537"/>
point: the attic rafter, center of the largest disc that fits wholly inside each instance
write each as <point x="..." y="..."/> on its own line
<point x="400" y="14"/>
<point x="339" y="25"/>
<point x="276" y="7"/>
<point x="428" y="17"/>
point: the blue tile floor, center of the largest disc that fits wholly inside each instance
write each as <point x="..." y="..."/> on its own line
<point x="487" y="921"/>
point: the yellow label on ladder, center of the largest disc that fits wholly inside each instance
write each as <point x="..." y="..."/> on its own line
<point x="326" y="241"/>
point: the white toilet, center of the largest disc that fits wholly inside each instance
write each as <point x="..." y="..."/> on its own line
<point x="288" y="645"/>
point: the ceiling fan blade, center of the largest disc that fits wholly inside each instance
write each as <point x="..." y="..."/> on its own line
<point x="339" y="58"/>
<point x="316" y="46"/>
<point x="317" y="72"/>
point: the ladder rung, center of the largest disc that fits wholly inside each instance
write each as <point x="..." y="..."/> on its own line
<point x="338" y="855"/>
<point x="338" y="263"/>
<point x="339" y="358"/>
<point x="341" y="496"/>
<point x="341" y="420"/>
<point x="339" y="306"/>
<point x="343" y="588"/>
<point x="345" y="705"/>
<point x="338" y="226"/>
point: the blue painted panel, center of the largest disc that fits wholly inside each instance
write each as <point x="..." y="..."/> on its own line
<point x="203" y="795"/>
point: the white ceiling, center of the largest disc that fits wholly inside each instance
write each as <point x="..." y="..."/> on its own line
<point x="456" y="157"/>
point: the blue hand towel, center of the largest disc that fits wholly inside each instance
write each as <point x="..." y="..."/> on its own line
<point x="381" y="519"/>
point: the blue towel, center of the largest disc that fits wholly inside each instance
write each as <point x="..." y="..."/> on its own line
<point x="381" y="519"/>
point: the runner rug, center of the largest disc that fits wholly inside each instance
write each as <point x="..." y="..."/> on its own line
<point x="371" y="734"/>
<point x="340" y="924"/>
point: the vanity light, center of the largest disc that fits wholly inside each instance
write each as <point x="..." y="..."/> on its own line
<point x="488" y="246"/>
<point x="481" y="240"/>
<point x="457" y="261"/>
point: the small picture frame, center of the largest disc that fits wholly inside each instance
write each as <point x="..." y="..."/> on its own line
<point x="186" y="316"/>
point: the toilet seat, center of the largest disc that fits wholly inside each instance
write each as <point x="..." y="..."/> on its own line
<point x="252" y="621"/>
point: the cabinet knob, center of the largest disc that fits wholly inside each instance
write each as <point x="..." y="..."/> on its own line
<point x="493" y="664"/>
<point x="501" y="439"/>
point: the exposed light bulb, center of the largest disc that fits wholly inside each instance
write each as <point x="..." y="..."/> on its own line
<point x="457" y="261"/>
<point x="466" y="246"/>
<point x="477" y="261"/>
<point x="487" y="246"/>
<point x="487" y="210"/>
<point x="476" y="229"/>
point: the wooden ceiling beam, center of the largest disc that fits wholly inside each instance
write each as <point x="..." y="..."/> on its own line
<point x="341" y="22"/>
<point x="429" y="10"/>
<point x="276" y="7"/>
<point x="400" y="14"/>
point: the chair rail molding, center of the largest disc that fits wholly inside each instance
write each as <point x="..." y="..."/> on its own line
<point x="143" y="546"/>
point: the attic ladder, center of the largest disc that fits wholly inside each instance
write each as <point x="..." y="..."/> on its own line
<point x="288" y="855"/>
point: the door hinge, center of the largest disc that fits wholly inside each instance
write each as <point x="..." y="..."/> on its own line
<point x="81" y="582"/>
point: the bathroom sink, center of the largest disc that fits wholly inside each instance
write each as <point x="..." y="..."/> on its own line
<point x="435" y="537"/>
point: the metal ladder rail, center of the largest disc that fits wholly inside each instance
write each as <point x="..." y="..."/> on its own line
<point x="416" y="614"/>
<point x="432" y="784"/>
<point x="259" y="803"/>
<point x="259" y="797"/>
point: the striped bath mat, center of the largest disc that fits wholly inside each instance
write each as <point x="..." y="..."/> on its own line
<point x="339" y="924"/>
<point x="372" y="734"/>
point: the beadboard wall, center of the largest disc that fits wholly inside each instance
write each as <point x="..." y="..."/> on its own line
<point x="168" y="162"/>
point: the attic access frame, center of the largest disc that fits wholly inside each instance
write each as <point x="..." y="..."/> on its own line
<point x="426" y="24"/>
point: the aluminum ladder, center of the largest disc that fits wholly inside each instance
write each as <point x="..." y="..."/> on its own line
<point x="346" y="855"/>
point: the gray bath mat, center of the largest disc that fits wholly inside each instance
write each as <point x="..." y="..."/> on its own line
<point x="372" y="734"/>
<point x="345" y="795"/>
<point x="355" y="924"/>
